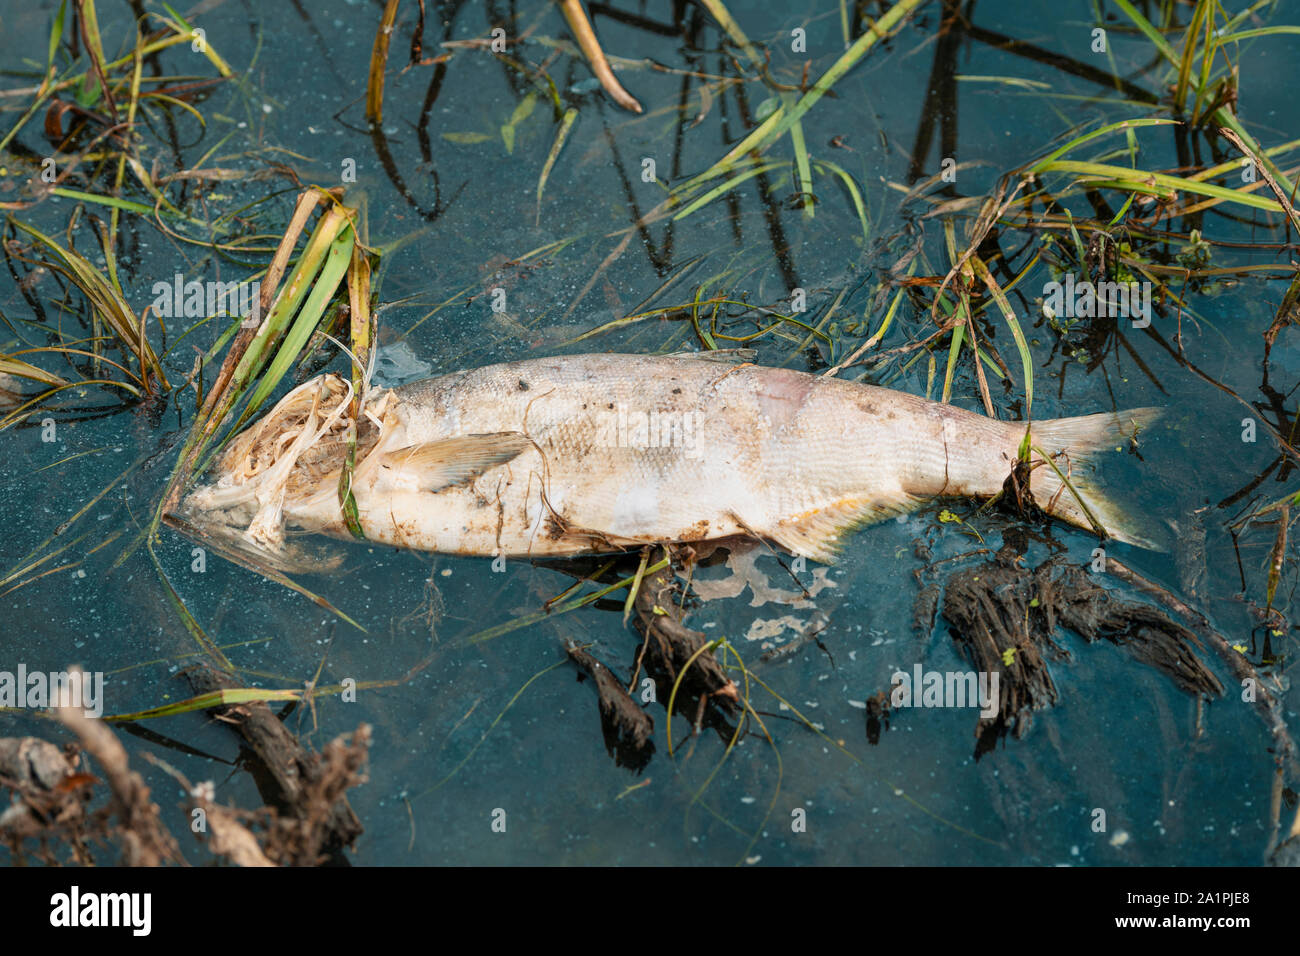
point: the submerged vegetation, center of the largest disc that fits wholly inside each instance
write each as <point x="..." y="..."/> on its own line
<point x="1092" y="257"/>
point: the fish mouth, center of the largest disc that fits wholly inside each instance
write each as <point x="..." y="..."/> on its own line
<point x="293" y="454"/>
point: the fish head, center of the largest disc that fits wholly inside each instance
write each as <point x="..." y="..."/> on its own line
<point x="288" y="462"/>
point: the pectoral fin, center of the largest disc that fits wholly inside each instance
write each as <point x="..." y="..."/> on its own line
<point x="441" y="464"/>
<point x="818" y="534"/>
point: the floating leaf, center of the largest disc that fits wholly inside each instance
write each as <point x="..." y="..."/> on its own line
<point x="466" y="139"/>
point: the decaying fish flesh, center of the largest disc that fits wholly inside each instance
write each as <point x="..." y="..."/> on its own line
<point x="591" y="453"/>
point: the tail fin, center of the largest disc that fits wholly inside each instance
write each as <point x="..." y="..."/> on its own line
<point x="1074" y="442"/>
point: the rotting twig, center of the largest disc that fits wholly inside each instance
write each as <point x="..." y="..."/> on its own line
<point x="293" y="778"/>
<point x="1266" y="705"/>
<point x="45" y="780"/>
<point x="659" y="617"/>
<point x="586" y="37"/>
<point x="1283" y="199"/>
<point x="145" y="841"/>
<point x="229" y="837"/>
<point x="627" y="727"/>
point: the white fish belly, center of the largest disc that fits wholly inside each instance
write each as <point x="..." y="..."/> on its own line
<point x="632" y="449"/>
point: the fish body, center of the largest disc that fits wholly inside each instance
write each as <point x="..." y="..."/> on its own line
<point x="591" y="453"/>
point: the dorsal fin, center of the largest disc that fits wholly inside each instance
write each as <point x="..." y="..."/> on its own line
<point x="451" y="461"/>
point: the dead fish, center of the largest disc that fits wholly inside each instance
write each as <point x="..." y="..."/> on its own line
<point x="593" y="453"/>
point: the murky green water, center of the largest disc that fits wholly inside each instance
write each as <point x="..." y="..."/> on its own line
<point x="465" y="729"/>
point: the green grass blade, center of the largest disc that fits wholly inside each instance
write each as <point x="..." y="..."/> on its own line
<point x="14" y="366"/>
<point x="802" y="168"/>
<point x="106" y="301"/>
<point x="780" y="121"/>
<point x="566" y="124"/>
<point x="1137" y="180"/>
<point x="726" y="187"/>
<point x="1043" y="163"/>
<point x="323" y="289"/>
<point x="1022" y="346"/>
<point x="854" y="192"/>
<point x="56" y="34"/>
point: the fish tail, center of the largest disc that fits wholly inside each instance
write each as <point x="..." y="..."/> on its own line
<point x="1061" y="484"/>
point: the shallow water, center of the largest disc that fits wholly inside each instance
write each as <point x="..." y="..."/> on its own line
<point x="470" y="729"/>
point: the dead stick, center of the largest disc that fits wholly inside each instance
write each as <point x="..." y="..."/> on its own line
<point x="285" y="761"/>
<point x="662" y="619"/>
<point x="1265" y="703"/>
<point x="586" y="37"/>
<point x="146" y="841"/>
